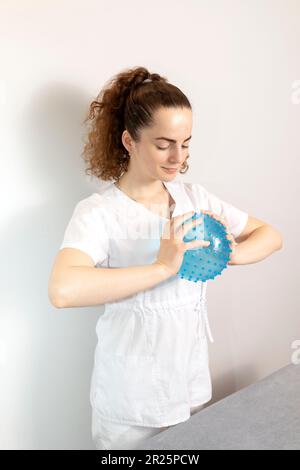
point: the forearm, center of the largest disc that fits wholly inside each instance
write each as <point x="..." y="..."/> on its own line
<point x="84" y="286"/>
<point x="262" y="242"/>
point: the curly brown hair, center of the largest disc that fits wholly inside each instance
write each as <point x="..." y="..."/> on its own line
<point x="126" y="101"/>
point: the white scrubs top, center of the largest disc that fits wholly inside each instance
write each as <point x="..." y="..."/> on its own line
<point x="151" y="361"/>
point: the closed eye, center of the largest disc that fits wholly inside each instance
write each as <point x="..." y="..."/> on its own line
<point x="166" y="148"/>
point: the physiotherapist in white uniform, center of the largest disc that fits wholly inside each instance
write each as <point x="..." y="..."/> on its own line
<point x="151" y="365"/>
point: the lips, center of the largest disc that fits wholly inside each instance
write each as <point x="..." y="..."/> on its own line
<point x="171" y="171"/>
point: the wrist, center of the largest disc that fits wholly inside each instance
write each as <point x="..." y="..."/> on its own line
<point x="163" y="271"/>
<point x="234" y="258"/>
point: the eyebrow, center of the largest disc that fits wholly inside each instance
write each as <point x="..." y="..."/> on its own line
<point x="171" y="140"/>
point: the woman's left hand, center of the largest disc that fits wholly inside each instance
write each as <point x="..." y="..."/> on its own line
<point x="229" y="236"/>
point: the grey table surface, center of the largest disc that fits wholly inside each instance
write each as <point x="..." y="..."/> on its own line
<point x="262" y="416"/>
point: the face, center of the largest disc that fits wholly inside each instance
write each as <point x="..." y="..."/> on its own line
<point x="165" y="145"/>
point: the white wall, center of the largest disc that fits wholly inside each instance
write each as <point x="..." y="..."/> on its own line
<point x="237" y="62"/>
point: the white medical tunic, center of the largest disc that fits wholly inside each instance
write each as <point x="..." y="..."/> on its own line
<point x="151" y="362"/>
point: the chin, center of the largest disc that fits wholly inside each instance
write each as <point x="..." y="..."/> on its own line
<point x="170" y="177"/>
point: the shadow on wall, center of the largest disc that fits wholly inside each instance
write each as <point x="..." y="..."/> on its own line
<point x="224" y="385"/>
<point x="49" y="352"/>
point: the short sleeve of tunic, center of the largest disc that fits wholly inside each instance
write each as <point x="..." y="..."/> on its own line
<point x="87" y="229"/>
<point x="235" y="217"/>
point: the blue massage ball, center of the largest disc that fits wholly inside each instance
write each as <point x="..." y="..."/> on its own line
<point x="205" y="262"/>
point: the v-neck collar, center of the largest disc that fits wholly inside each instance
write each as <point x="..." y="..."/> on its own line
<point x="170" y="188"/>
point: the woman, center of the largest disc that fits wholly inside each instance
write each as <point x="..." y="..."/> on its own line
<point x="151" y="367"/>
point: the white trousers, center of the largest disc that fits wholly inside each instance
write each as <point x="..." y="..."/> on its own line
<point x="107" y="435"/>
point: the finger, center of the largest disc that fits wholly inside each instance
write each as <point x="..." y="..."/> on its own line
<point x="179" y="219"/>
<point x="212" y="214"/>
<point x="208" y="212"/>
<point x="196" y="244"/>
<point x="184" y="228"/>
<point x="217" y="217"/>
<point x="173" y="226"/>
<point x="222" y="221"/>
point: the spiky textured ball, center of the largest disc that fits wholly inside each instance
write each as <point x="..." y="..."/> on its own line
<point x="205" y="263"/>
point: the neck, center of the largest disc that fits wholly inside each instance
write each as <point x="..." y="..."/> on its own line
<point x="140" y="188"/>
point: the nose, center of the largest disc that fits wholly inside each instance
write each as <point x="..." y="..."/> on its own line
<point x="177" y="156"/>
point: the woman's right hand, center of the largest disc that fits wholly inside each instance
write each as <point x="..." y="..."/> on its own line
<point x="172" y="246"/>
